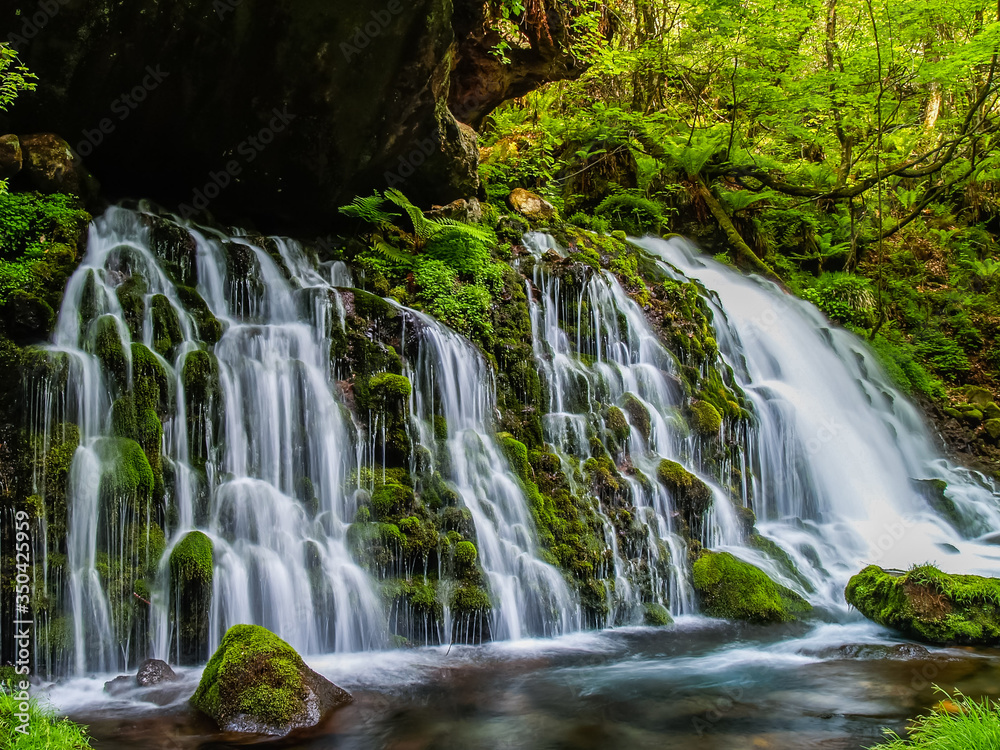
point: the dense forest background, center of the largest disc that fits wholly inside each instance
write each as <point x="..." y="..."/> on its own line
<point x="847" y="148"/>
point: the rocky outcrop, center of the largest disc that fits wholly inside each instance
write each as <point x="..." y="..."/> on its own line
<point x="50" y="166"/>
<point x="11" y="157"/>
<point x="278" y="111"/>
<point x="531" y="206"/>
<point x="257" y="683"/>
<point x="928" y="605"/>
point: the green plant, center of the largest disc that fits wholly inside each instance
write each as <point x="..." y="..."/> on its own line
<point x="47" y="731"/>
<point x="956" y="723"/>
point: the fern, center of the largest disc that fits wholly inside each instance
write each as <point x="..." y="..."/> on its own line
<point x="423" y="227"/>
<point x="369" y="210"/>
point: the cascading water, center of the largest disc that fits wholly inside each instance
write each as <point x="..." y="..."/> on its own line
<point x="836" y="452"/>
<point x="191" y="372"/>
<point x="452" y="380"/>
<point x="251" y="443"/>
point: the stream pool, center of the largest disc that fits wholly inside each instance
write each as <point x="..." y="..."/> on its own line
<point x="701" y="684"/>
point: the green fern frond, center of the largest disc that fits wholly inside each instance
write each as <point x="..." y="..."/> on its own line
<point x="393" y="254"/>
<point x="423" y="227"/>
<point x="369" y="210"/>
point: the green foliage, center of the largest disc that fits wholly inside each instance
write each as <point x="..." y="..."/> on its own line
<point x="369" y="210"/>
<point x="631" y="213"/>
<point x="845" y="298"/>
<point x="737" y="590"/>
<point x="957" y="723"/>
<point x="46" y="731"/>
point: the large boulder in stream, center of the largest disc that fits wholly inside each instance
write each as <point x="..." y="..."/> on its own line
<point x="257" y="683"/>
<point x="928" y="605"/>
<point x="731" y="588"/>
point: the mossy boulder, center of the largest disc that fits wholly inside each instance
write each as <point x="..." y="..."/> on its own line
<point x="656" y="615"/>
<point x="731" y="588"/>
<point x="255" y="682"/>
<point x="928" y="605"/>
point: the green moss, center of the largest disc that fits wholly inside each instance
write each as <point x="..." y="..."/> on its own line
<point x="618" y="424"/>
<point x="656" y="615"/>
<point x="638" y="414"/>
<point x="210" y="330"/>
<point x="929" y="605"/>
<point x="737" y="590"/>
<point x="517" y="454"/>
<point x="254" y="674"/>
<point x="469" y="599"/>
<point x="166" y="326"/>
<point x="132" y="298"/>
<point x="109" y="350"/>
<point x="465" y="555"/>
<point x="776" y="553"/>
<point x="127" y="474"/>
<point x="390" y="500"/>
<point x="389" y="389"/>
<point x="150" y="386"/>
<point x="191" y="559"/>
<point x="692" y="497"/>
<point x="705" y="419"/>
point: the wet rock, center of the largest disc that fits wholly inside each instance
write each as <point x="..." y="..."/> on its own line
<point x="153" y="672"/>
<point x="10" y="156"/>
<point x="928" y="605"/>
<point x="459" y="210"/>
<point x="731" y="588"/>
<point x="120" y="685"/>
<point x="49" y="166"/>
<point x="257" y="683"/>
<point x="531" y="206"/>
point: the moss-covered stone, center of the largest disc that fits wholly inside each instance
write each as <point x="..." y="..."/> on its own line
<point x="210" y="329"/>
<point x="705" y="419"/>
<point x="109" y="350"/>
<point x="255" y="682"/>
<point x="656" y="615"/>
<point x="191" y="573"/>
<point x="929" y="605"/>
<point x="389" y="389"/>
<point x="470" y="599"/>
<point x="618" y="424"/>
<point x="731" y="588"/>
<point x="166" y="326"/>
<point x="692" y="497"/>
<point x="127" y="475"/>
<point x="638" y="414"/>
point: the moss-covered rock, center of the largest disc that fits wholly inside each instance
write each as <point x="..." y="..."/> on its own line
<point x="109" y="349"/>
<point x="692" y="497"/>
<point x="929" y="605"/>
<point x="656" y="615"/>
<point x="166" y="326"/>
<point x="638" y="414"/>
<point x="191" y="572"/>
<point x="705" y="418"/>
<point x="731" y="588"/>
<point x="255" y="682"/>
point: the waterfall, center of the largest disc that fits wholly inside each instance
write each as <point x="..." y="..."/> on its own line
<point x="837" y="454"/>
<point x="199" y="381"/>
<point x="451" y="379"/>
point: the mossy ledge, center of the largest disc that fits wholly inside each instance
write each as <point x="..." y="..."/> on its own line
<point x="737" y="590"/>
<point x="255" y="682"/>
<point x="191" y="572"/>
<point x="928" y="605"/>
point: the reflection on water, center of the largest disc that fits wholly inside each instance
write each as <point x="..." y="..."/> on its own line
<point x="702" y="685"/>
